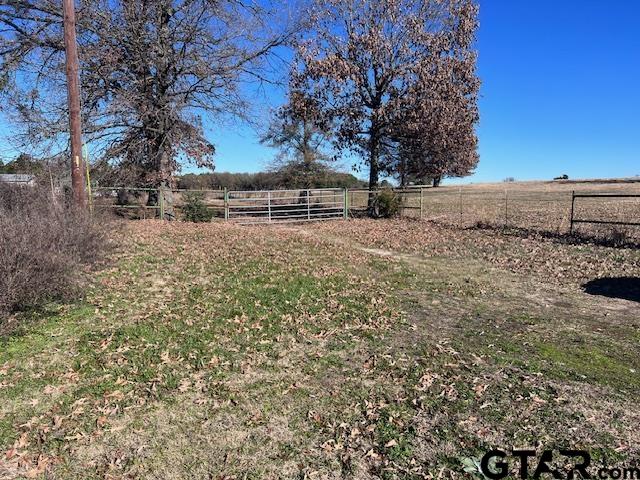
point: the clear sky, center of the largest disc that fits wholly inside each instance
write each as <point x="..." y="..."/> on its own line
<point x="561" y="89"/>
<point x="560" y="94"/>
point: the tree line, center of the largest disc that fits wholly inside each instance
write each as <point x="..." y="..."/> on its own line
<point x="279" y="177"/>
<point x="273" y="180"/>
<point x="22" y="164"/>
<point x="390" y="84"/>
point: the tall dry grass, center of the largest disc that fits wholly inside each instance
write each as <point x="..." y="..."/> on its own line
<point x="46" y="247"/>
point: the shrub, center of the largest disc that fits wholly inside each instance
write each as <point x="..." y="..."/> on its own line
<point x="619" y="237"/>
<point x="386" y="204"/>
<point x="45" y="247"/>
<point x="194" y="208"/>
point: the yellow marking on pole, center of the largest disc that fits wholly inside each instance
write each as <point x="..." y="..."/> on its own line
<point x="89" y="194"/>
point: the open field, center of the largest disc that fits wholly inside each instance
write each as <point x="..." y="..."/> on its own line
<point x="361" y="349"/>
<point x="539" y="206"/>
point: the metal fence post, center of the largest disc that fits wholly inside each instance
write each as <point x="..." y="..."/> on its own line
<point x="161" y="202"/>
<point x="421" y="203"/>
<point x="308" y="204"/>
<point x="573" y="203"/>
<point x="460" y="193"/>
<point x="506" y="208"/>
<point x="345" y="203"/>
<point x="226" y="204"/>
<point x="269" y="204"/>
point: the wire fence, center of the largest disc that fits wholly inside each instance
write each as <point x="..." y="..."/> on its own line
<point x="147" y="203"/>
<point x="553" y="208"/>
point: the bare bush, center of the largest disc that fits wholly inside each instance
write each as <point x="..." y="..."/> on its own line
<point x="45" y="247"/>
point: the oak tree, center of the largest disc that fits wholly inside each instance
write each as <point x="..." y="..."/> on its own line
<point x="151" y="71"/>
<point x="435" y="135"/>
<point x="367" y="64"/>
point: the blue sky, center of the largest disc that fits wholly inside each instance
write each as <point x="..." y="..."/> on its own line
<point x="560" y="89"/>
<point x="560" y="94"/>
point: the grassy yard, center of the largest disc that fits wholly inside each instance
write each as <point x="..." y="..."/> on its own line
<point x="352" y="349"/>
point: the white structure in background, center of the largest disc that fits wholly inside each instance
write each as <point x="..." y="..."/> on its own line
<point x="18" y="179"/>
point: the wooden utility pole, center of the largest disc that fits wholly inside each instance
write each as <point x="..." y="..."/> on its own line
<point x="73" y="90"/>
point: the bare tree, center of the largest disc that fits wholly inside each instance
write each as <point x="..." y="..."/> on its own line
<point x="296" y="131"/>
<point x="152" y="71"/>
<point x="364" y="63"/>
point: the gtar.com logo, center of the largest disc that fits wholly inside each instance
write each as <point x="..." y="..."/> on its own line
<point x="497" y="464"/>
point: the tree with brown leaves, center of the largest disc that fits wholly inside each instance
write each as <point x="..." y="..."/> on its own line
<point x="435" y="136"/>
<point x="372" y="66"/>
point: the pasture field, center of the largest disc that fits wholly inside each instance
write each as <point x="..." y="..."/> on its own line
<point x="536" y="206"/>
<point x="349" y="349"/>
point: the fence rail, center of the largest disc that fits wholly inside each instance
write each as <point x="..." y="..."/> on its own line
<point x="574" y="220"/>
<point x="278" y="206"/>
<point x="553" y="208"/>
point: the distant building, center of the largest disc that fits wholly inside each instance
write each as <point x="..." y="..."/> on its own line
<point x="18" y="179"/>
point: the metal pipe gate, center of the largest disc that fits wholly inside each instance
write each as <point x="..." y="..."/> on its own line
<point x="285" y="206"/>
